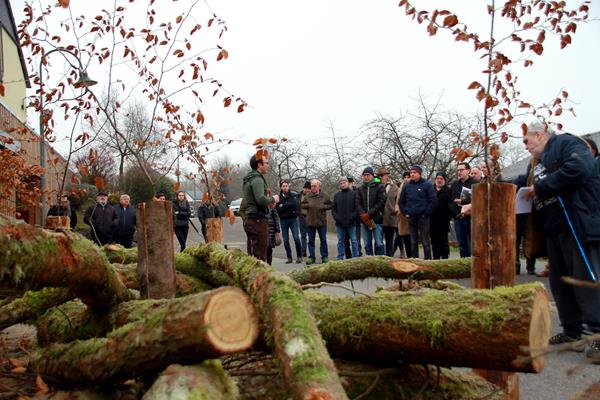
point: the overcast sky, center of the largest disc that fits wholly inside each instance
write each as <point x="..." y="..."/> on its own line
<point x="300" y="64"/>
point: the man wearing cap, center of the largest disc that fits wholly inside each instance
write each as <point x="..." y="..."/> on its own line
<point x="102" y="219"/>
<point x="288" y="210"/>
<point x="417" y="202"/>
<point x="389" y="213"/>
<point x="372" y="198"/>
<point x="302" y="220"/>
<point x="344" y="211"/>
<point x="314" y="206"/>
<point x="440" y="218"/>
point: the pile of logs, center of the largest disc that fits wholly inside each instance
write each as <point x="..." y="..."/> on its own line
<point x="240" y="329"/>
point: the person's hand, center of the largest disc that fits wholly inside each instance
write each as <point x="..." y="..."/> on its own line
<point x="457" y="201"/>
<point x="465" y="210"/>
<point x="276" y="197"/>
<point x="530" y="193"/>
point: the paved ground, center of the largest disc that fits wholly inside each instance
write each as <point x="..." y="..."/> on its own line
<point x="554" y="383"/>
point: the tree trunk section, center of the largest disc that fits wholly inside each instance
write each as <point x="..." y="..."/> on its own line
<point x="493" y="237"/>
<point x="204" y="381"/>
<point x="32" y="305"/>
<point x="34" y="257"/>
<point x="54" y="222"/>
<point x="156" y="260"/>
<point x="448" y="328"/>
<point x="120" y="255"/>
<point x="307" y="368"/>
<point x="185" y="330"/>
<point x="214" y="230"/>
<point x="383" y="267"/>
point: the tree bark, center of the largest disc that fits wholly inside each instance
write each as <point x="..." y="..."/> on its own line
<point x="120" y="255"/>
<point x="37" y="258"/>
<point x="184" y="330"/>
<point x="307" y="368"/>
<point x="401" y="382"/>
<point x="214" y="230"/>
<point x="463" y="328"/>
<point x="383" y="267"/>
<point x="156" y="260"/>
<point x="493" y="233"/>
<point x="203" y="381"/>
<point x="32" y="305"/>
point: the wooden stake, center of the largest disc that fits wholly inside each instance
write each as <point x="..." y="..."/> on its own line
<point x="156" y="254"/>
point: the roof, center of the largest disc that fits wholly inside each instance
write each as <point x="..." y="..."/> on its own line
<point x="519" y="168"/>
<point x="7" y="20"/>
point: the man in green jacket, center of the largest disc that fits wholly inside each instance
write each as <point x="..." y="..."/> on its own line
<point x="314" y="206"/>
<point x="257" y="202"/>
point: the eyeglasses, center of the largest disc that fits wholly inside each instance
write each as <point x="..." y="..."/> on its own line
<point x="461" y="169"/>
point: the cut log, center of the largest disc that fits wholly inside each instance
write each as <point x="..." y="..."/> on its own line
<point x="120" y="255"/>
<point x="184" y="330"/>
<point x="383" y="267"/>
<point x="56" y="222"/>
<point x="368" y="381"/>
<point x="466" y="328"/>
<point x="203" y="381"/>
<point x="32" y="305"/>
<point x="307" y="368"/>
<point x="40" y="258"/>
<point x="214" y="230"/>
<point x="156" y="260"/>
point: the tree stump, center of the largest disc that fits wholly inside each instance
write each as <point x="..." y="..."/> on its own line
<point x="214" y="230"/>
<point x="156" y="254"/>
<point x="58" y="222"/>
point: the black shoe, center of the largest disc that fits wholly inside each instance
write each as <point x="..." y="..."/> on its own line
<point x="531" y="272"/>
<point x="563" y="338"/>
<point x="594" y="351"/>
<point x="289" y="261"/>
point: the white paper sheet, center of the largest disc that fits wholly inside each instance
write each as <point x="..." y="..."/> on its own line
<point x="523" y="204"/>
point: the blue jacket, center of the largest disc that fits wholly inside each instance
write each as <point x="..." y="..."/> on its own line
<point x="567" y="169"/>
<point x="418" y="198"/>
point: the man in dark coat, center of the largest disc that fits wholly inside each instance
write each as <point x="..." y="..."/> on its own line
<point x="566" y="201"/>
<point x="125" y="229"/>
<point x="288" y="210"/>
<point x="439" y="224"/>
<point x="371" y="197"/>
<point x="461" y="189"/>
<point x="417" y="202"/>
<point x="102" y="219"/>
<point x="344" y="211"/>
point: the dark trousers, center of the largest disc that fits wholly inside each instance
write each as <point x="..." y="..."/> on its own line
<point x="303" y="235"/>
<point x="520" y="232"/>
<point x="462" y="226"/>
<point x="576" y="305"/>
<point x="292" y="225"/>
<point x="269" y="255"/>
<point x="389" y="235"/>
<point x="403" y="242"/>
<point x="418" y="226"/>
<point x="257" y="237"/>
<point x="438" y="231"/>
<point x="312" y="234"/>
<point x="181" y="232"/>
<point x="124" y="240"/>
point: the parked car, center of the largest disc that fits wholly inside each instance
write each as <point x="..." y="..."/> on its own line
<point x="235" y="206"/>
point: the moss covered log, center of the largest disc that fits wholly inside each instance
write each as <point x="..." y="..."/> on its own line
<point x="120" y="255"/>
<point x="372" y="382"/>
<point x="32" y="305"/>
<point x="383" y="267"/>
<point x="307" y="368"/>
<point x="184" y="330"/>
<point x="467" y="328"/>
<point x="37" y="258"/>
<point x="206" y="381"/>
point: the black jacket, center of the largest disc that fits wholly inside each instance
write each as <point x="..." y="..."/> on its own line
<point x="288" y="206"/>
<point x="127" y="221"/>
<point x="181" y="213"/>
<point x="456" y="189"/>
<point x="418" y="198"/>
<point x="371" y="198"/>
<point x="567" y="170"/>
<point x="205" y="212"/>
<point x="103" y="220"/>
<point x="441" y="215"/>
<point x="344" y="209"/>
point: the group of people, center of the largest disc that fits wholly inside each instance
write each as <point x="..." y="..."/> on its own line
<point x="387" y="216"/>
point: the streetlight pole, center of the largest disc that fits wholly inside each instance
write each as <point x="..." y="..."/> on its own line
<point x="83" y="81"/>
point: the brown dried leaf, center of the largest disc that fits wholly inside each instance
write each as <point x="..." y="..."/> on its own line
<point x="2" y="90"/>
<point x="42" y="388"/>
<point x="240" y="108"/>
<point x="99" y="182"/>
<point x="176" y="187"/>
<point x="18" y="370"/>
<point x="450" y="21"/>
<point x="272" y="140"/>
<point x="209" y="136"/>
<point x="64" y="3"/>
<point x="524" y="128"/>
<point x="474" y="85"/>
<point x="258" y="142"/>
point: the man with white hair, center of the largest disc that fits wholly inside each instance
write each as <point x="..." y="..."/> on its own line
<point x="127" y="222"/>
<point x="314" y="206"/>
<point x="566" y="205"/>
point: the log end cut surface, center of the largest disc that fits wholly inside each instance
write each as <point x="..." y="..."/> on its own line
<point x="539" y="332"/>
<point x="231" y="320"/>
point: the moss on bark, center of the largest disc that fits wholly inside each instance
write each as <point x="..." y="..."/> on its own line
<point x="32" y="305"/>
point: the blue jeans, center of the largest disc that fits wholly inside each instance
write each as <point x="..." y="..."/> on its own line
<point x="292" y="224"/>
<point x="368" y="236"/>
<point x="303" y="234"/>
<point x="312" y="234"/>
<point x="462" y="227"/>
<point x="342" y="234"/>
